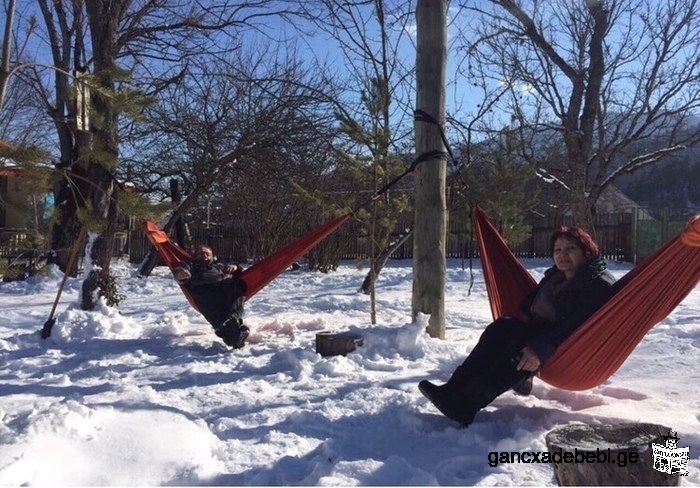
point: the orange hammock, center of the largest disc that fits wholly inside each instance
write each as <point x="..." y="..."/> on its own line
<point x="644" y="297"/>
<point x="259" y="274"/>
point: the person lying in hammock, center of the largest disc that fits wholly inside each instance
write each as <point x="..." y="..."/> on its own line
<point x="510" y="350"/>
<point x="218" y="292"/>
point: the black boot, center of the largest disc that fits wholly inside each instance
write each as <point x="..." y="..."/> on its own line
<point x="445" y="400"/>
<point x="460" y="398"/>
<point x="462" y="374"/>
<point x="448" y="398"/>
<point x="233" y="332"/>
<point x="524" y="386"/>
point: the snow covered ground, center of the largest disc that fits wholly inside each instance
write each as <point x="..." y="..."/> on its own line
<point x="147" y="395"/>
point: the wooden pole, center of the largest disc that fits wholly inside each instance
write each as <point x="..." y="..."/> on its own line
<point x="48" y="325"/>
<point x="429" y="267"/>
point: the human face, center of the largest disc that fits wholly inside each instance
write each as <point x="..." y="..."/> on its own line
<point x="568" y="256"/>
<point x="203" y="254"/>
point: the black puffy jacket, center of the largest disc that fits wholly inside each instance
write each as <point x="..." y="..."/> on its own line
<point x="584" y="294"/>
<point x="218" y="295"/>
<point x="204" y="274"/>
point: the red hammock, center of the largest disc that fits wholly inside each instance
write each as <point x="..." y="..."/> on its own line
<point x="644" y="297"/>
<point x="259" y="274"/>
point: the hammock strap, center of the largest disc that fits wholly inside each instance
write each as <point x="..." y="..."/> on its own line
<point x="264" y="271"/>
<point x="423" y="116"/>
<point x="419" y="116"/>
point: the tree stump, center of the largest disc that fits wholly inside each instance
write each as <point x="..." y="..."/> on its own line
<point x="604" y="455"/>
<point x="336" y="344"/>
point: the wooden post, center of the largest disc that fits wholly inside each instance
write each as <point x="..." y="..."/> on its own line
<point x="179" y="224"/>
<point x="429" y="268"/>
<point x="607" y="455"/>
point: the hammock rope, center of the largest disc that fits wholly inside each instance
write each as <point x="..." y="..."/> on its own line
<point x="596" y="350"/>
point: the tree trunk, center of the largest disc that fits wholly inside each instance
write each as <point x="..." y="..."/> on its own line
<point x="6" y="51"/>
<point x="429" y="268"/>
<point x="70" y="194"/>
<point x="373" y="258"/>
<point x="98" y="281"/>
<point x="104" y="205"/>
<point x="580" y="207"/>
<point x="607" y="455"/>
<point x="72" y="190"/>
<point x="175" y="197"/>
<point x="105" y="156"/>
<point x="380" y="261"/>
<point x="582" y="116"/>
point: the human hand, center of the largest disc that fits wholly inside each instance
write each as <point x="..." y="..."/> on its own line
<point x="231" y="269"/>
<point x="528" y="360"/>
<point x="182" y="275"/>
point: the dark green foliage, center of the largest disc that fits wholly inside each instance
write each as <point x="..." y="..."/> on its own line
<point x="502" y="184"/>
<point x="113" y="296"/>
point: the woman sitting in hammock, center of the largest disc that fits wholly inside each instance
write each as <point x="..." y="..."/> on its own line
<point x="218" y="292"/>
<point x="510" y="350"/>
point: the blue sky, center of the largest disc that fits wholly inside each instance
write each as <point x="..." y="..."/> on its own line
<point x="460" y="96"/>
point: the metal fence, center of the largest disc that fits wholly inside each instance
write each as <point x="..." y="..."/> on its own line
<point x="629" y="236"/>
<point x="621" y="236"/>
<point x="613" y="234"/>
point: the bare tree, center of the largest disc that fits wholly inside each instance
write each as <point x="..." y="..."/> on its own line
<point x="608" y="77"/>
<point x="375" y="107"/>
<point x="240" y="134"/>
<point x="131" y="50"/>
<point x="8" y="66"/>
<point x="429" y="266"/>
<point x="22" y="121"/>
<point x="20" y="108"/>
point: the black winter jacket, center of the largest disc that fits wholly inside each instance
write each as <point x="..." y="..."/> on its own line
<point x="217" y="294"/>
<point x="583" y="295"/>
<point x="204" y="274"/>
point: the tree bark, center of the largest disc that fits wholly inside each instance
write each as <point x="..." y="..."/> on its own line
<point x="7" y="49"/>
<point x="380" y="260"/>
<point x="72" y="190"/>
<point x="104" y="196"/>
<point x="429" y="268"/>
<point x="582" y="138"/>
<point x="605" y="455"/>
<point x="176" y="198"/>
<point x="70" y="194"/>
